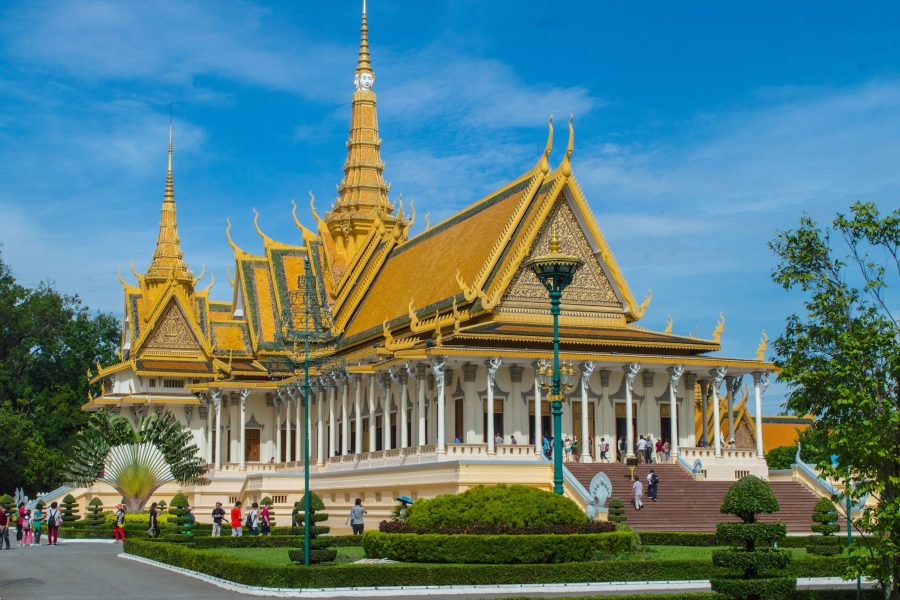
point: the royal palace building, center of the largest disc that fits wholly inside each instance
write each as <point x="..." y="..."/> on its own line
<point x="423" y="350"/>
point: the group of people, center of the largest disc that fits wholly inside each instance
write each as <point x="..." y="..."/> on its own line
<point x="638" y="489"/>
<point x="257" y="521"/>
<point x="29" y="525"/>
<point x="647" y="449"/>
<point x="572" y="448"/>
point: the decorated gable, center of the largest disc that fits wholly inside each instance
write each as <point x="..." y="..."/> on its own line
<point x="173" y="332"/>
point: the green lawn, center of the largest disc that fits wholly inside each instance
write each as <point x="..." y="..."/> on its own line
<point x="279" y="556"/>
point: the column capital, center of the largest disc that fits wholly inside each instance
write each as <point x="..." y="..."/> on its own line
<point x="515" y="373"/>
<point x="631" y="371"/>
<point x="647" y="378"/>
<point x="690" y="380"/>
<point x="736" y="382"/>
<point x="718" y="374"/>
<point x="403" y="375"/>
<point x="493" y="364"/>
<point x="675" y="373"/>
<point x="604" y="377"/>
<point x="586" y="369"/>
<point x="421" y="371"/>
<point x="469" y="372"/>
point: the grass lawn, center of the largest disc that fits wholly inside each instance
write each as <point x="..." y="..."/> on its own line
<point x="279" y="556"/>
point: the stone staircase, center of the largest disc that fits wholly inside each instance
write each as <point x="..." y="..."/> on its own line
<point x="685" y="504"/>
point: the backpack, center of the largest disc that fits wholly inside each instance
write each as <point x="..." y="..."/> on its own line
<point x="654" y="479"/>
<point x="249" y="522"/>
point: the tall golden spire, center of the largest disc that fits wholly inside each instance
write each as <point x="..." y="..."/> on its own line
<point x="168" y="261"/>
<point x="362" y="194"/>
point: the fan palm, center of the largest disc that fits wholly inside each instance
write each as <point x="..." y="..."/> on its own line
<point x="136" y="461"/>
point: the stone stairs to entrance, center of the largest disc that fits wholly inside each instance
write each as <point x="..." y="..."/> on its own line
<point x="685" y="504"/>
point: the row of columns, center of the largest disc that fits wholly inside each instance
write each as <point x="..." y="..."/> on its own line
<point x="325" y="396"/>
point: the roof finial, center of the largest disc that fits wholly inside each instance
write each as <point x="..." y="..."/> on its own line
<point x="567" y="161"/>
<point x="544" y="163"/>
<point x="170" y="185"/>
<point x="364" y="64"/>
<point x="554" y="240"/>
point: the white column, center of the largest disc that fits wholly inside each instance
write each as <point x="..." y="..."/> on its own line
<point x="277" y="406"/>
<point x="674" y="375"/>
<point x="298" y="439"/>
<point x="320" y="426"/>
<point x="729" y="405"/>
<point x="586" y="370"/>
<point x="332" y="425"/>
<point x="718" y="375"/>
<point x="704" y="410"/>
<point x="688" y="429"/>
<point x="420" y="383"/>
<point x="345" y="417"/>
<point x="357" y="413"/>
<point x="538" y="434"/>
<point x="760" y="383"/>
<point x="288" y="446"/>
<point x="386" y="411"/>
<point x="372" y="429"/>
<point x="242" y="450"/>
<point x="631" y="371"/>
<point x="216" y="396"/>
<point x="492" y="365"/>
<point x="209" y="432"/>
<point x="437" y="365"/>
<point x="403" y="378"/>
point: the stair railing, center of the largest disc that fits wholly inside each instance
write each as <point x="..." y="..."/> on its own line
<point x="575" y="486"/>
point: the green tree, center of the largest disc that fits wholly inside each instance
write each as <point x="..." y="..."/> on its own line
<point x="320" y="549"/>
<point x="48" y="341"/>
<point x="825" y="523"/>
<point x="69" y="509"/>
<point x="781" y="457"/>
<point x="135" y="461"/>
<point x="840" y="360"/>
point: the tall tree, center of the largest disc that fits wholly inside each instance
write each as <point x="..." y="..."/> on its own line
<point x="841" y="359"/>
<point x="48" y="341"/>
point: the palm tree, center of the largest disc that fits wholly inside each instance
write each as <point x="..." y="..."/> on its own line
<point x="136" y="461"/>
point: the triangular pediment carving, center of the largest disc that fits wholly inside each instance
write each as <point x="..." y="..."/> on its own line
<point x="591" y="287"/>
<point x="173" y="332"/>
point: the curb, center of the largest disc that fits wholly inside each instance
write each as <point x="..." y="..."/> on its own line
<point x="504" y="590"/>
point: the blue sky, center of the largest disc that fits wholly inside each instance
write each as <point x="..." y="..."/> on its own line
<point x="702" y="128"/>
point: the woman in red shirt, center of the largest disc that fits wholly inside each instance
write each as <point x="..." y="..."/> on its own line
<point x="236" y="519"/>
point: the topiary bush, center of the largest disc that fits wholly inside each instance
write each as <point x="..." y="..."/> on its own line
<point x="161" y="506"/>
<point x="320" y="549"/>
<point x="69" y="509"/>
<point x="754" y="544"/>
<point x="178" y="509"/>
<point x="825" y="523"/>
<point x="514" y="506"/>
<point x="6" y="500"/>
<point x="95" y="516"/>
<point x="617" y="511"/>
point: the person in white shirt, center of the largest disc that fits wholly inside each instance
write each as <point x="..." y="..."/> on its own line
<point x="638" y="489"/>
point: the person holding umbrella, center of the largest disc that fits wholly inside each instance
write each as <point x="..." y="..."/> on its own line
<point x="404" y="502"/>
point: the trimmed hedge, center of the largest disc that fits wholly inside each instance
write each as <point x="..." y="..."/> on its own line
<point x="515" y="506"/>
<point x="494" y="549"/>
<point x="755" y="561"/>
<point x="248" y="541"/>
<point x="675" y="538"/>
<point x="496" y="529"/>
<point x="750" y="535"/>
<point x="353" y="575"/>
<point x="773" y="588"/>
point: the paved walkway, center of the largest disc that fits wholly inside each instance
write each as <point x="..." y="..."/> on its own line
<point x="93" y="571"/>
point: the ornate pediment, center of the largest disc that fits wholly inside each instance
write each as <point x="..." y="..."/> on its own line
<point x="173" y="332"/>
<point x="591" y="286"/>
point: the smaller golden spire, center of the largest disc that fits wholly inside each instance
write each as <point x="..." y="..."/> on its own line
<point x="554" y="240"/>
<point x="364" y="63"/>
<point x="168" y="260"/>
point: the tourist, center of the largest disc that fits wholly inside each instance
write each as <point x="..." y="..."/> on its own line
<point x="5" y="519"/>
<point x="37" y="520"/>
<point x="265" y="528"/>
<point x="604" y="448"/>
<point x="732" y="445"/>
<point x="401" y="515"/>
<point x="701" y="443"/>
<point x="591" y="447"/>
<point x="641" y="449"/>
<point x="638" y="489"/>
<point x="576" y="445"/>
<point x="119" y="524"/>
<point x="456" y="440"/>
<point x="498" y="439"/>
<point x="218" y="515"/>
<point x="236" y="520"/>
<point x="621" y="447"/>
<point x="253" y="519"/>
<point x="355" y="520"/>
<point x="652" y="482"/>
<point x="54" y="520"/>
<point x="648" y="448"/>
<point x="660" y="453"/>
<point x="547" y="446"/>
<point x="567" y="444"/>
<point x="667" y="451"/>
<point x="153" y="529"/>
<point x="27" y="532"/>
<point x="512" y="440"/>
<point x="20" y="521"/>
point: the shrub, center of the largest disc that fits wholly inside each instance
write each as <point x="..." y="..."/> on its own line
<point x="69" y="509"/>
<point x="161" y="506"/>
<point x="617" y="511"/>
<point x="825" y="523"/>
<point x="494" y="549"/>
<point x="514" y="506"/>
<point x="7" y="500"/>
<point x="179" y="510"/>
<point x="781" y="457"/>
<point x="746" y="498"/>
<point x="597" y="527"/>
<point x="248" y="541"/>
<point x="95" y="516"/>
<point x="320" y="549"/>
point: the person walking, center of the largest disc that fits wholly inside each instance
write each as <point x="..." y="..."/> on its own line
<point x="641" y="449"/>
<point x="119" y="524"/>
<point x="218" y="515"/>
<point x="648" y="448"/>
<point x="153" y="529"/>
<point x="621" y="448"/>
<point x="27" y="530"/>
<point x="546" y="444"/>
<point x="37" y="521"/>
<point x="567" y="445"/>
<point x="667" y="451"/>
<point x="660" y="454"/>
<point x="5" y="520"/>
<point x="236" y="518"/>
<point x="253" y="519"/>
<point x="265" y="529"/>
<point x="638" y="489"/>
<point x="54" y="520"/>
<point x="652" y="483"/>
<point x="20" y="521"/>
<point x="356" y="518"/>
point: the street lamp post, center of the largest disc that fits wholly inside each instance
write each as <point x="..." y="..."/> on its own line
<point x="555" y="271"/>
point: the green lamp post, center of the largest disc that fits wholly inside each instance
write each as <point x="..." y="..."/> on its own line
<point x="556" y="271"/>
